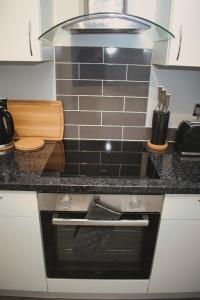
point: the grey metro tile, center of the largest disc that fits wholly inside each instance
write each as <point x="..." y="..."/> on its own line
<point x="79" y="54"/>
<point x="139" y="73"/>
<point x="82" y="117"/>
<point x="78" y="87"/>
<point x="123" y="119"/>
<point x="70" y="132"/>
<point x="69" y="102"/>
<point x="125" y="88"/>
<point x="127" y="56"/>
<point x="102" y="71"/>
<point x="137" y="133"/>
<point x="136" y="104"/>
<point x="100" y="132"/>
<point x="101" y="103"/>
<point x="66" y="71"/>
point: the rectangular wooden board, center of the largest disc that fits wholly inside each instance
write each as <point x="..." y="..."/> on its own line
<point x="37" y="118"/>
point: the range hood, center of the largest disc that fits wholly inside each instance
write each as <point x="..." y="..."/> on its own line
<point x="106" y="16"/>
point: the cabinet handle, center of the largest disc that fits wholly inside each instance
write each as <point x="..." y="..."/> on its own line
<point x="29" y="35"/>
<point x="180" y="42"/>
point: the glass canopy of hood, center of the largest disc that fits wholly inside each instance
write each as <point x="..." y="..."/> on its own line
<point x="107" y="23"/>
<point x="106" y="16"/>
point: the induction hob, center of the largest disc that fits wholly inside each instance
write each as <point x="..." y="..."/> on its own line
<point x="84" y="158"/>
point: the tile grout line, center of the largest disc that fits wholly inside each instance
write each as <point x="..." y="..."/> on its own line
<point x="120" y="166"/>
<point x="108" y="111"/>
<point x="124" y="105"/>
<point x="103" y="139"/>
<point x="96" y="63"/>
<point x="79" y="144"/>
<point x="79" y="71"/>
<point x="78" y="103"/>
<point x="79" y="132"/>
<point x="106" y="125"/>
<point x="107" y="96"/>
<point x="122" y="133"/>
<point x="98" y="80"/>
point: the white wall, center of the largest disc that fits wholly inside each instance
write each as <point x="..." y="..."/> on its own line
<point x="63" y="11"/>
<point x="184" y="87"/>
<point x="27" y="81"/>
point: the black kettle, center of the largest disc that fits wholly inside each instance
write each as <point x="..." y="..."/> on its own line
<point x="6" y="125"/>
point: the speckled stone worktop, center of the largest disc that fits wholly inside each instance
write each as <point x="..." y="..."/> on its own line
<point x="22" y="171"/>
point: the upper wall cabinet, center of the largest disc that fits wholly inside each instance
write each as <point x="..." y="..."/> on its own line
<point x="21" y="23"/>
<point x="183" y="20"/>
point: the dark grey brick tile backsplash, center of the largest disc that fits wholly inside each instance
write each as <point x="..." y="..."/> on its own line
<point x="101" y="132"/>
<point x="78" y="87"/>
<point x="138" y="73"/>
<point x="123" y="119"/>
<point x="139" y="133"/>
<point x="127" y="56"/>
<point x="67" y="71"/>
<point x="79" y="54"/>
<point x="102" y="71"/>
<point x="125" y="88"/>
<point x="104" y="91"/>
<point x="69" y="102"/>
<point x="101" y="103"/>
<point x="83" y="117"/>
<point x="71" y="132"/>
<point x="136" y="104"/>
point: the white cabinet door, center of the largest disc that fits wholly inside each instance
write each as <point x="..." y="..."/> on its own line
<point x="21" y="257"/>
<point x="185" y="48"/>
<point x="20" y="27"/>
<point x="176" y="266"/>
<point x="182" y="18"/>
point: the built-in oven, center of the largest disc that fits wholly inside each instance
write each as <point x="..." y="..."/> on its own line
<point x="99" y="236"/>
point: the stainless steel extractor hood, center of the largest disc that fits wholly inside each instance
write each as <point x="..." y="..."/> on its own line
<point x="107" y="16"/>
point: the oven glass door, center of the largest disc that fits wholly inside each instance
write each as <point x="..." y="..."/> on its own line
<point x="103" y="252"/>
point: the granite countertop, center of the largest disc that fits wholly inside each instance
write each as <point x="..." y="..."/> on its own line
<point x="22" y="171"/>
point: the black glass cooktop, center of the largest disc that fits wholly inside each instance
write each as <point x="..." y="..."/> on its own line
<point x="85" y="158"/>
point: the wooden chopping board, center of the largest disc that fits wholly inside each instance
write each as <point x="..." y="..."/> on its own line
<point x="34" y="118"/>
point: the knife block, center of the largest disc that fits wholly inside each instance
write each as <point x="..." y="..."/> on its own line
<point x="159" y="131"/>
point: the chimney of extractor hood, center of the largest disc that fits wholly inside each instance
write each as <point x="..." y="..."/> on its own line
<point x="107" y="16"/>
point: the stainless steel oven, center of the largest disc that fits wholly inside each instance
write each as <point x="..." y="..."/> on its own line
<point x="99" y="236"/>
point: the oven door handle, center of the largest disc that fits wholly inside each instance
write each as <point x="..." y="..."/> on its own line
<point x="144" y="222"/>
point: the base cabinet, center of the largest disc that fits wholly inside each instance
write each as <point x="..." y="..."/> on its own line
<point x="21" y="255"/>
<point x="176" y="267"/>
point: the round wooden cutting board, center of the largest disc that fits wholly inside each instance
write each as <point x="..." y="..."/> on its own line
<point x="29" y="144"/>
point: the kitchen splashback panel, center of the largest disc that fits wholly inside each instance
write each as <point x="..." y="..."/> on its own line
<point x="104" y="91"/>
